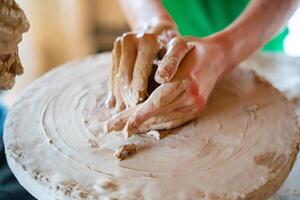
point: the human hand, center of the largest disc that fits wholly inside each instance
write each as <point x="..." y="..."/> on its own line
<point x="133" y="57"/>
<point x="187" y="74"/>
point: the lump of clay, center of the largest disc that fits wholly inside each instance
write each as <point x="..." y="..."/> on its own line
<point x="13" y="23"/>
<point x="124" y="151"/>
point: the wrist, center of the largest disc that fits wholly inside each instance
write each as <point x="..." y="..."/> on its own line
<point x="221" y="48"/>
<point x="166" y="29"/>
<point x="229" y="46"/>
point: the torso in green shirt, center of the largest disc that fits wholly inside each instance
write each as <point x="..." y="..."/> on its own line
<point x="204" y="17"/>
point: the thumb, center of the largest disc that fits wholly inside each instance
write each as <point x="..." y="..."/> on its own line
<point x="157" y="102"/>
<point x="167" y="67"/>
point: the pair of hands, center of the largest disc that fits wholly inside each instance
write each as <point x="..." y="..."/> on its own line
<point x="12" y="24"/>
<point x="187" y="74"/>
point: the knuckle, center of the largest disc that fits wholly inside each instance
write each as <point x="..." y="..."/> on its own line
<point x="177" y="40"/>
<point x="147" y="36"/>
<point x="178" y="44"/>
<point x="129" y="36"/>
<point x="118" y="40"/>
<point x="148" y="39"/>
<point x="129" y="42"/>
<point x="121" y="75"/>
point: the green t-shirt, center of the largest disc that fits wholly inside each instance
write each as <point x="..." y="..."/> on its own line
<point x="204" y="17"/>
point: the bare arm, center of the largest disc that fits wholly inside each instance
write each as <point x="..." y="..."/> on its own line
<point x="145" y="15"/>
<point x="261" y="20"/>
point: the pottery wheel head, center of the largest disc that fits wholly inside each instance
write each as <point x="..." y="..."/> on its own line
<point x="241" y="147"/>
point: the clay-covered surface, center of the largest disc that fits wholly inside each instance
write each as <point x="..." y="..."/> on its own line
<point x="242" y="147"/>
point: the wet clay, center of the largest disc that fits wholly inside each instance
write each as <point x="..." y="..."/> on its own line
<point x="241" y="147"/>
<point x="125" y="151"/>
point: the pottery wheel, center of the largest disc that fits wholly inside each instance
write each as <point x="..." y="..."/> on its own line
<point x="241" y="147"/>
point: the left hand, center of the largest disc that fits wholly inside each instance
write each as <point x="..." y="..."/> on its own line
<point x="133" y="57"/>
<point x="187" y="74"/>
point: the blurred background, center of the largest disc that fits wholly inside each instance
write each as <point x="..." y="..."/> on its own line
<point x="71" y="29"/>
<point x="61" y="31"/>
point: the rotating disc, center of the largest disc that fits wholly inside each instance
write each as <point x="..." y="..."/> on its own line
<point x="241" y="147"/>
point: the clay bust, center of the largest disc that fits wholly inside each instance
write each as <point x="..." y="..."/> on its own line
<point x="13" y="23"/>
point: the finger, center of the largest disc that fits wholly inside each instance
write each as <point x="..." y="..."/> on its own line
<point x="181" y="101"/>
<point x="127" y="60"/>
<point x="111" y="101"/>
<point x="154" y="105"/>
<point x="148" y="48"/>
<point x="173" y="120"/>
<point x="170" y="120"/>
<point x="119" y="99"/>
<point x="170" y="124"/>
<point x="118" y="121"/>
<point x="179" y="110"/>
<point x="177" y="49"/>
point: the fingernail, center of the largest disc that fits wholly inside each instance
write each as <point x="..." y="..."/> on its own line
<point x="120" y="107"/>
<point x="109" y="103"/>
<point x="161" y="77"/>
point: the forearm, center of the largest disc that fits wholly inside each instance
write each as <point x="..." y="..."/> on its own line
<point x="145" y="15"/>
<point x="261" y="20"/>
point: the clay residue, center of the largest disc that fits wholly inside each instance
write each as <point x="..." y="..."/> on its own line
<point x="74" y="190"/>
<point x="125" y="151"/>
<point x="158" y="135"/>
<point x="271" y="160"/>
<point x="252" y="110"/>
<point x="93" y="144"/>
<point x="207" y="148"/>
<point x="106" y="186"/>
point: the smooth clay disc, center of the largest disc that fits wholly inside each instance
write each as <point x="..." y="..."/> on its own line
<point x="242" y="147"/>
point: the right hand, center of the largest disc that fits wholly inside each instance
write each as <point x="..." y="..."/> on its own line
<point x="133" y="56"/>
